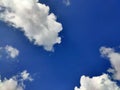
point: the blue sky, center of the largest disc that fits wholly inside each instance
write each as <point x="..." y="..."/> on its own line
<point x="87" y="25"/>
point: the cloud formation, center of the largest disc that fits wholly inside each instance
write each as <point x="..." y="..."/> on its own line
<point x="66" y="2"/>
<point x="102" y="82"/>
<point x="9" y="51"/>
<point x="114" y="58"/>
<point x="34" y="19"/>
<point x="26" y="76"/>
<point x="14" y="83"/>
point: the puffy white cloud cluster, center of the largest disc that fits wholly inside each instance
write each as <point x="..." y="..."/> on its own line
<point x="104" y="82"/>
<point x="15" y="83"/>
<point x="11" y="51"/>
<point x="34" y="19"/>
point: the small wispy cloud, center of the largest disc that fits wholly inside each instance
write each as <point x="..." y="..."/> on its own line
<point x="66" y="2"/>
<point x="9" y="52"/>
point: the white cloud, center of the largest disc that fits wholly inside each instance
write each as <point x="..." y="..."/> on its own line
<point x="34" y="19"/>
<point x="114" y="58"/>
<point x="9" y="51"/>
<point x="26" y="76"/>
<point x="66" y="2"/>
<point x="13" y="83"/>
<point x="102" y="82"/>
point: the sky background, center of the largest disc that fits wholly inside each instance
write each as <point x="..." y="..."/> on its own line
<point x="87" y="25"/>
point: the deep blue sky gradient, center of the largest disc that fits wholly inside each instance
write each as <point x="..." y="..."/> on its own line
<point x="87" y="25"/>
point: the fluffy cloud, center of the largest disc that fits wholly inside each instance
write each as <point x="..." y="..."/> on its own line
<point x="9" y="51"/>
<point x="102" y="82"/>
<point x="114" y="58"/>
<point x="66" y="2"/>
<point x="34" y="19"/>
<point x="14" y="83"/>
<point x="26" y="76"/>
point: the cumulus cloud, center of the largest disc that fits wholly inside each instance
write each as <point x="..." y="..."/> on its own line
<point x="14" y="83"/>
<point x="66" y="2"/>
<point x="34" y="19"/>
<point x="114" y="58"/>
<point x="102" y="82"/>
<point x="26" y="76"/>
<point x="10" y="51"/>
